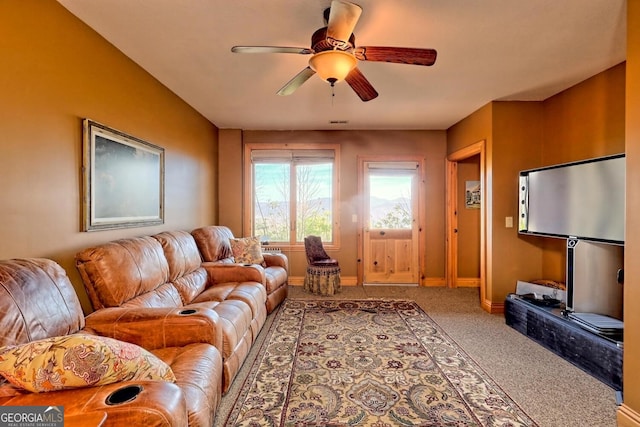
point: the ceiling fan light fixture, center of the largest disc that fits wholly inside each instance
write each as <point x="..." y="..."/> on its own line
<point x="332" y="65"/>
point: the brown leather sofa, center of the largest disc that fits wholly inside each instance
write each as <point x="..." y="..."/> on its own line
<point x="38" y="302"/>
<point x="159" y="283"/>
<point x="213" y="243"/>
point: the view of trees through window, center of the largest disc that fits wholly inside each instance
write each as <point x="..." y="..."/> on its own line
<point x="295" y="189"/>
<point x="390" y="201"/>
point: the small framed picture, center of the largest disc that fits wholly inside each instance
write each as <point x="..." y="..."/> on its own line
<point x="472" y="195"/>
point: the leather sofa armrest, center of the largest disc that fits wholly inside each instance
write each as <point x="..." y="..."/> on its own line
<point x="277" y="260"/>
<point x="158" y="403"/>
<point x="153" y="328"/>
<point x="224" y="273"/>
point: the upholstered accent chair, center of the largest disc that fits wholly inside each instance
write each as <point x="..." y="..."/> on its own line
<point x="323" y="272"/>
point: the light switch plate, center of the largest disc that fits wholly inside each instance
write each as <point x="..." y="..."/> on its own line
<point x="508" y="222"/>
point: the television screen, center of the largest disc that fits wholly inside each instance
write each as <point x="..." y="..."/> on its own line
<point x="584" y="200"/>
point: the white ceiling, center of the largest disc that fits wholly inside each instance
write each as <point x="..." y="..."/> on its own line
<point x="487" y="50"/>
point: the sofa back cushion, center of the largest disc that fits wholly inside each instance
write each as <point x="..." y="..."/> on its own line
<point x="121" y="271"/>
<point x="213" y="243"/>
<point x="37" y="301"/>
<point x="185" y="264"/>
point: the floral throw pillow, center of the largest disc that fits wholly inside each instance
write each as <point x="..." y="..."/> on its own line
<point x="78" y="360"/>
<point x="247" y="250"/>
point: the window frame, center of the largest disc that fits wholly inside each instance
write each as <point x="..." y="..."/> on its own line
<point x="248" y="191"/>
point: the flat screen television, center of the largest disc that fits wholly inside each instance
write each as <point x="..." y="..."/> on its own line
<point x="583" y="200"/>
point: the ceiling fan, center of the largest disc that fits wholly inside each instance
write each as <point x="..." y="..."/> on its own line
<point x="335" y="54"/>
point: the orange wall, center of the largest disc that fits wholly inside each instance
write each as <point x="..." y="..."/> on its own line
<point x="230" y="181"/>
<point x="468" y="221"/>
<point x="582" y="122"/>
<point x="55" y="72"/>
<point x="586" y="120"/>
<point x="512" y="134"/>
<point x="517" y="133"/>
<point x="629" y="412"/>
<point x="473" y="128"/>
<point x="431" y="144"/>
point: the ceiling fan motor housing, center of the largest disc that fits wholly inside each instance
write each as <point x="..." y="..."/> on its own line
<point x="320" y="43"/>
<point x="330" y="61"/>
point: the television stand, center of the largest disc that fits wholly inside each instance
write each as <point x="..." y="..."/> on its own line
<point x="595" y="354"/>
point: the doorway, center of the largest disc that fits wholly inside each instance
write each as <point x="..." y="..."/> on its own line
<point x="391" y="221"/>
<point x="455" y="187"/>
<point x="469" y="200"/>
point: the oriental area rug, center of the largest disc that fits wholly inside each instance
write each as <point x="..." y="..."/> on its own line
<point x="378" y="363"/>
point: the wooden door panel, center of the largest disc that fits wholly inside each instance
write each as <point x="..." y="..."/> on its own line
<point x="403" y="256"/>
<point x="391" y="255"/>
<point x="391" y="235"/>
<point x="378" y="257"/>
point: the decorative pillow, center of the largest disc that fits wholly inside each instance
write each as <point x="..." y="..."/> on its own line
<point x="78" y="360"/>
<point x="247" y="250"/>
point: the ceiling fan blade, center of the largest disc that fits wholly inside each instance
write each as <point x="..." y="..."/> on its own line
<point x="361" y="85"/>
<point x="343" y="17"/>
<point x="271" y="49"/>
<point x="296" y="82"/>
<point x="398" y="55"/>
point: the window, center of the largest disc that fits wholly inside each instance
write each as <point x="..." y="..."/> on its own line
<point x="390" y="201"/>
<point x="293" y="193"/>
<point x="391" y="188"/>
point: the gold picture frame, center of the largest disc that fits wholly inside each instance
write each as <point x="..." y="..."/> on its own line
<point x="123" y="180"/>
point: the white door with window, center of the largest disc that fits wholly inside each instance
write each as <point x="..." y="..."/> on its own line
<point x="391" y="223"/>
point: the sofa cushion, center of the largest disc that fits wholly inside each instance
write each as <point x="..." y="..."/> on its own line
<point x="37" y="301"/>
<point x="78" y="360"/>
<point x="246" y="250"/>
<point x="213" y="243"/>
<point x="164" y="296"/>
<point x="116" y="272"/>
<point x="276" y="276"/>
<point x="181" y="252"/>
<point x="185" y="264"/>
<point x="251" y="293"/>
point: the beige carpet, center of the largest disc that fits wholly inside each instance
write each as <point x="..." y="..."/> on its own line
<point x="549" y="389"/>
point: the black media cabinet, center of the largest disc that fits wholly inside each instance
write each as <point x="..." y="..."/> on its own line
<point x="595" y="354"/>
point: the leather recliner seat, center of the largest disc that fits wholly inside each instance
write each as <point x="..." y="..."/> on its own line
<point x="214" y="246"/>
<point x="162" y="278"/>
<point x="37" y="302"/>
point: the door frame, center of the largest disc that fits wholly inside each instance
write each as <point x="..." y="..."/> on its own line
<point x="421" y="195"/>
<point x="451" y="243"/>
